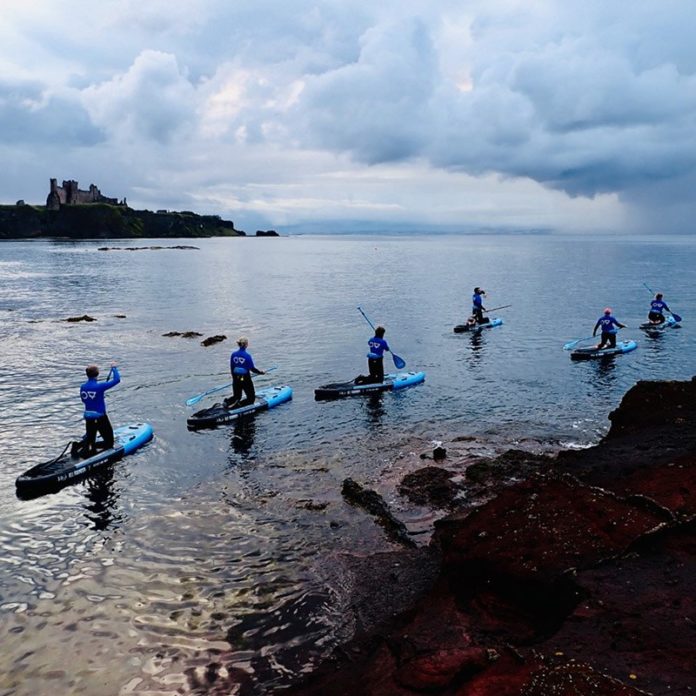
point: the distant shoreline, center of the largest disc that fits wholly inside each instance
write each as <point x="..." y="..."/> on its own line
<point x="104" y="221"/>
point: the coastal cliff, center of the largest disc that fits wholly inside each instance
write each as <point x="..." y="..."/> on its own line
<point x="103" y="221"/>
<point x="573" y="574"/>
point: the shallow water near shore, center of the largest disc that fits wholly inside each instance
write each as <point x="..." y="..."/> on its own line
<point x="224" y="547"/>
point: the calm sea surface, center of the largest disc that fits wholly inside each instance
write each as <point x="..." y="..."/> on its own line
<point x="225" y="547"/>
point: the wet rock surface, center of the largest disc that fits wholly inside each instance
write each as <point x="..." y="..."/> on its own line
<point x="183" y="334"/>
<point x="147" y="248"/>
<point x="569" y="575"/>
<point x="84" y="317"/>
<point x="374" y="504"/>
<point x="213" y="339"/>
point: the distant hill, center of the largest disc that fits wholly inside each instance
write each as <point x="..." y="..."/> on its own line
<point x="104" y="221"/>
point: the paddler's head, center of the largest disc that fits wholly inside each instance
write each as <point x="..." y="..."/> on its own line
<point x="607" y="310"/>
<point x="242" y="341"/>
<point x="92" y="371"/>
<point x="658" y="296"/>
<point x="379" y="332"/>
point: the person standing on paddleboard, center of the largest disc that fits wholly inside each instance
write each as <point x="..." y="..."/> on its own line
<point x="657" y="309"/>
<point x="477" y="308"/>
<point x="609" y="326"/>
<point x="241" y="367"/>
<point x="96" y="420"/>
<point x="375" y="358"/>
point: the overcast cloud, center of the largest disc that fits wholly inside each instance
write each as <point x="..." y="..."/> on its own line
<point x="564" y="115"/>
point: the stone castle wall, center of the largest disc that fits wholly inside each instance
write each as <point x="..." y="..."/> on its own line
<point x="70" y="194"/>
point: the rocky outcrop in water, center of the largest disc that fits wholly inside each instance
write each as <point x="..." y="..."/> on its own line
<point x="576" y="577"/>
<point x="148" y="248"/>
<point x="373" y="503"/>
<point x="84" y="317"/>
<point x="183" y="334"/>
<point x="213" y="339"/>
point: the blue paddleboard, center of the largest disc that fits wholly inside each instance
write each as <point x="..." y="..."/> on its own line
<point x="218" y="414"/>
<point x="68" y="467"/>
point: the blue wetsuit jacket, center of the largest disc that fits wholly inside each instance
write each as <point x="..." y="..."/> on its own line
<point x="377" y="347"/>
<point x="477" y="301"/>
<point x="659" y="306"/>
<point x="241" y="363"/>
<point x="608" y="324"/>
<point x="92" y="395"/>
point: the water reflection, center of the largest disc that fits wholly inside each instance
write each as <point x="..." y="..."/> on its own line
<point x="475" y="349"/>
<point x="374" y="407"/>
<point x="242" y="437"/>
<point x="103" y="495"/>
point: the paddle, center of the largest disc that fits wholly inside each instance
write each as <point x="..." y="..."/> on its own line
<point x="195" y="399"/>
<point x="399" y="363"/>
<point x="677" y="318"/>
<point x="572" y="344"/>
<point x="505" y="306"/>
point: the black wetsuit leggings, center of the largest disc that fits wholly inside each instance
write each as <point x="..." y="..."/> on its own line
<point x="656" y="316"/>
<point x="376" y="367"/>
<point x="478" y="313"/>
<point x="609" y="338"/>
<point x="243" y="383"/>
<point x="102" y="425"/>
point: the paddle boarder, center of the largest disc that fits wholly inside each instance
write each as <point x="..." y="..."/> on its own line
<point x="375" y="357"/>
<point x="657" y="309"/>
<point x="241" y="367"/>
<point x="96" y="420"/>
<point x="478" y="309"/>
<point x="609" y="326"/>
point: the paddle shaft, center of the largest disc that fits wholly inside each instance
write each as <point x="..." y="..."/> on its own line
<point x="677" y="318"/>
<point x="399" y="362"/>
<point x="195" y="399"/>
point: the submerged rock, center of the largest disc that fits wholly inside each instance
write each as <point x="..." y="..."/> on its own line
<point x="430" y="485"/>
<point x="374" y="504"/>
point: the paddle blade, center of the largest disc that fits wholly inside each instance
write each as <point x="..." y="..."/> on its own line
<point x="677" y="318"/>
<point x="399" y="363"/>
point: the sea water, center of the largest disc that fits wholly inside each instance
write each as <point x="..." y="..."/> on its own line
<point x="224" y="547"/>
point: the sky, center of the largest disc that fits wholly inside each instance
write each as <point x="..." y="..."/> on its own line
<point x="348" y="114"/>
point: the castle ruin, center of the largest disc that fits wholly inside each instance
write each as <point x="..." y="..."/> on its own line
<point x="70" y="194"/>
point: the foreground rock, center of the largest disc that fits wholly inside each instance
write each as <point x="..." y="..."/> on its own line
<point x="374" y="504"/>
<point x="579" y="579"/>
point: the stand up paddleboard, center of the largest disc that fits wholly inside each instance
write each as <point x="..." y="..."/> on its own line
<point x="669" y="323"/>
<point x="477" y="328"/>
<point x="593" y="353"/>
<point x="392" y="382"/>
<point x="217" y="414"/>
<point x="67" y="468"/>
